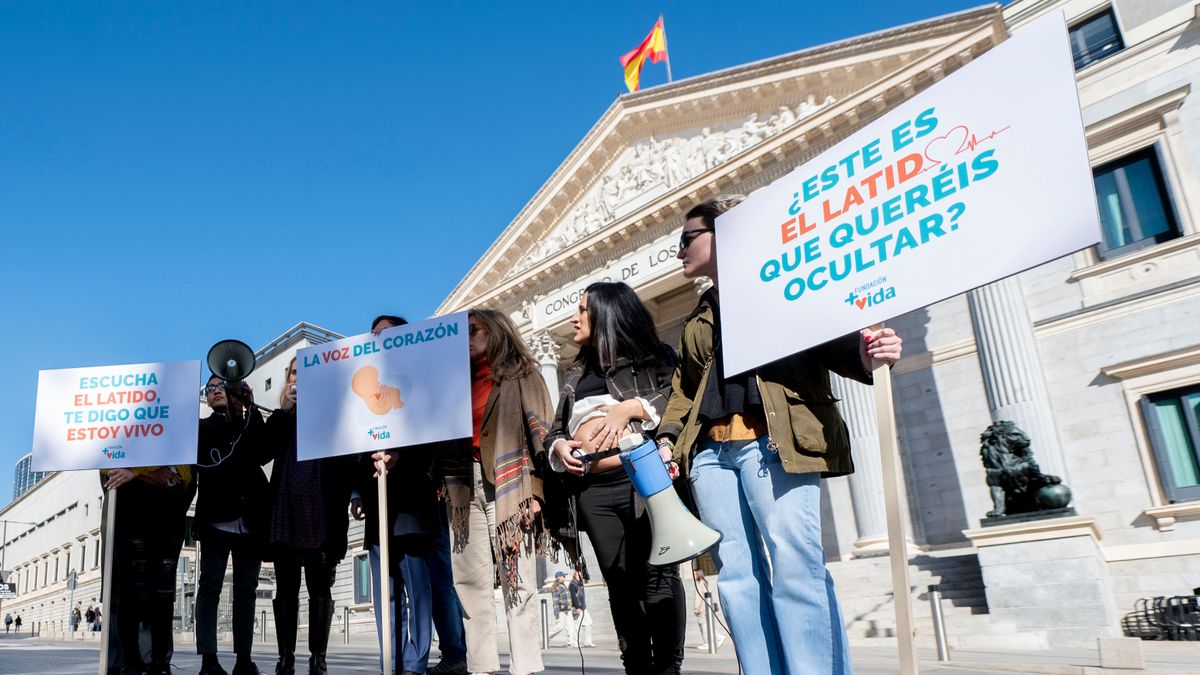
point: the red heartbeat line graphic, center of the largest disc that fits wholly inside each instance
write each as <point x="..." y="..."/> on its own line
<point x="960" y="139"/>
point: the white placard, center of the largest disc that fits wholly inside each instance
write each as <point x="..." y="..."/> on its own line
<point x="109" y="417"/>
<point x="983" y="175"/>
<point x="408" y="385"/>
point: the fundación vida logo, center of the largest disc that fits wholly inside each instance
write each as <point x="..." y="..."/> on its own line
<point x="379" y="433"/>
<point x="113" y="452"/>
<point x="871" y="294"/>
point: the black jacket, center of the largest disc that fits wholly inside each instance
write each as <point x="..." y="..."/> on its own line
<point x="412" y="497"/>
<point x="230" y="478"/>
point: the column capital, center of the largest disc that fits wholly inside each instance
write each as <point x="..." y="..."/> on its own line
<point x="544" y="348"/>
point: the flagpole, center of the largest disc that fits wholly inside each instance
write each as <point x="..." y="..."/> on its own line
<point x="666" y="49"/>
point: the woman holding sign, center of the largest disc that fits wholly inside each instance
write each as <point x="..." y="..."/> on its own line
<point x="495" y="491"/>
<point x="619" y="382"/>
<point x="764" y="439"/>
<point x="308" y="530"/>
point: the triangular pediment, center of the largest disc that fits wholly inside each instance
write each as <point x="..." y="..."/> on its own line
<point x="654" y="150"/>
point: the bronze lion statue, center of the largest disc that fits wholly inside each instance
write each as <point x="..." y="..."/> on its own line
<point x="1013" y="475"/>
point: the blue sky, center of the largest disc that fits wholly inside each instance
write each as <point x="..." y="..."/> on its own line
<point x="174" y="173"/>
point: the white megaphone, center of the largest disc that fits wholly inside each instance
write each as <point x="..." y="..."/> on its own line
<point x="675" y="534"/>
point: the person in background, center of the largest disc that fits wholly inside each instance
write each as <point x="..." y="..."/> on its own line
<point x="619" y="384"/>
<point x="755" y="446"/>
<point x="698" y="610"/>
<point x="413" y="510"/>
<point x="230" y="520"/>
<point x="18" y="623"/>
<point x="560" y="597"/>
<point x="152" y="505"/>
<point x="581" y="620"/>
<point x="494" y="484"/>
<point x="8" y="620"/>
<point x="308" y="526"/>
<point x="76" y="617"/>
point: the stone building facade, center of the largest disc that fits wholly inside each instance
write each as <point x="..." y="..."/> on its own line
<point x="1095" y="354"/>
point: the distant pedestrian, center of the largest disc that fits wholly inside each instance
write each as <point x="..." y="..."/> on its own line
<point x="7" y="622"/>
<point x="561" y="597"/>
<point x="97" y="621"/>
<point x="76" y="617"/>
<point x="18" y="623"/>
<point x="89" y="617"/>
<point x="581" y="620"/>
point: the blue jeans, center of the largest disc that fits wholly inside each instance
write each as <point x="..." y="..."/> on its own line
<point x="447" y="612"/>
<point x="789" y="622"/>
<point x="412" y="624"/>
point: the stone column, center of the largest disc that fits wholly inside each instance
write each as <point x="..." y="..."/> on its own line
<point x="546" y="351"/>
<point x="866" y="483"/>
<point x="1012" y="369"/>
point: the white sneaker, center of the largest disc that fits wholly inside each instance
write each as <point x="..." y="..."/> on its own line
<point x="702" y="646"/>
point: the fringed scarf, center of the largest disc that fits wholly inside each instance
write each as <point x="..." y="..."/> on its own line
<point x="512" y="433"/>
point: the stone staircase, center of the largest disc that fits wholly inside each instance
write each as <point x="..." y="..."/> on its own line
<point x="864" y="589"/>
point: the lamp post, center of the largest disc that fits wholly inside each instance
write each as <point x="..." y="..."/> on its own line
<point x="4" y="544"/>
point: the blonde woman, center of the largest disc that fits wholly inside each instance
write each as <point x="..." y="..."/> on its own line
<point x="495" y="490"/>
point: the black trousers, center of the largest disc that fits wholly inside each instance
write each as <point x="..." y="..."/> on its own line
<point x="215" y="549"/>
<point x="647" y="603"/>
<point x="319" y="571"/>
<point x="146" y="545"/>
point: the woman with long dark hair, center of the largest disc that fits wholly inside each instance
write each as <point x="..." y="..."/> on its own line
<point x="307" y="531"/>
<point x="620" y="383"/>
<point x="495" y="491"/>
<point x="755" y="446"/>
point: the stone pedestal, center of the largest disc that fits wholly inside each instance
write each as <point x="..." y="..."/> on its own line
<point x="1048" y="577"/>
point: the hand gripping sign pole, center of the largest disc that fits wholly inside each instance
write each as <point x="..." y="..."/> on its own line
<point x="385" y="575"/>
<point x="106" y="589"/>
<point x="896" y="528"/>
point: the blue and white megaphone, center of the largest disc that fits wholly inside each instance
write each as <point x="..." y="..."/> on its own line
<point x="675" y="534"/>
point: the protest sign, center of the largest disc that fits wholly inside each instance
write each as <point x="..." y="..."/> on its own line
<point x="982" y="175"/>
<point x="408" y="385"/>
<point x="109" y="417"/>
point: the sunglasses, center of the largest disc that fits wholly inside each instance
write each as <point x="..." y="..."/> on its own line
<point x="686" y="237"/>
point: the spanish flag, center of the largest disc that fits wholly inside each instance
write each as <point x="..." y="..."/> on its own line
<point x="653" y="47"/>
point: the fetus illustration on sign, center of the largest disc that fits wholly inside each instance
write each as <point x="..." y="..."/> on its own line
<point x="379" y="397"/>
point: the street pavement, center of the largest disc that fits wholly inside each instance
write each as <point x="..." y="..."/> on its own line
<point x="29" y="656"/>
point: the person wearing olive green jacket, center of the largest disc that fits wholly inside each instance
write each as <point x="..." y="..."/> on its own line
<point x="767" y="436"/>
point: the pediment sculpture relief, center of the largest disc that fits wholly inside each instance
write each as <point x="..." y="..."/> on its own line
<point x="653" y="167"/>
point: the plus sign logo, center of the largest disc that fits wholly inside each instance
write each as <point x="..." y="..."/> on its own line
<point x="869" y="295"/>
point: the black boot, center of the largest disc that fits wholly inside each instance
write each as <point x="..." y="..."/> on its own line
<point x="244" y="666"/>
<point x="320" y="614"/>
<point x="209" y="665"/>
<point x="285" y="635"/>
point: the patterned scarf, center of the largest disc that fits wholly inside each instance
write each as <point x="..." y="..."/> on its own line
<point x="517" y="431"/>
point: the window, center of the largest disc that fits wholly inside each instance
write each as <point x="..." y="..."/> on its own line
<point x="362" y="580"/>
<point x="1135" y="209"/>
<point x="1094" y="39"/>
<point x="96" y="554"/>
<point x="82" y="554"/>
<point x="1171" y="420"/>
<point x="267" y="386"/>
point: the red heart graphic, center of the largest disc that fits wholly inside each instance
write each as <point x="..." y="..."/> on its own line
<point x="861" y="302"/>
<point x="939" y="150"/>
<point x="377" y="398"/>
